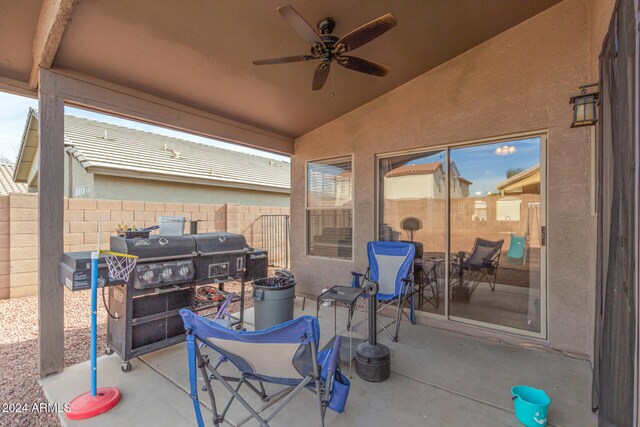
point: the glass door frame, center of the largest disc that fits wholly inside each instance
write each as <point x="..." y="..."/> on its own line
<point x="543" y="135"/>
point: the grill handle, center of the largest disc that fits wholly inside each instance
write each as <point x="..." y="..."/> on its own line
<point x="167" y="258"/>
<point x="240" y="252"/>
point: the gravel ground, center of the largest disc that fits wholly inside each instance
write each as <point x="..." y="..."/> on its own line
<point x="19" y="350"/>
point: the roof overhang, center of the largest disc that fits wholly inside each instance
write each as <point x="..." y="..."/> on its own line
<point x="520" y="179"/>
<point x="28" y="148"/>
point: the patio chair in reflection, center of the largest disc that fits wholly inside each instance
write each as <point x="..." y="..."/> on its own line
<point x="481" y="265"/>
<point x="424" y="278"/>
<point x="286" y="354"/>
<point x="391" y="268"/>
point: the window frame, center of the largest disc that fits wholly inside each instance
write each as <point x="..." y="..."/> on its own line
<point x="350" y="207"/>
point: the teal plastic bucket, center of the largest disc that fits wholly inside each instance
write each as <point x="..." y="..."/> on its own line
<point x="530" y="405"/>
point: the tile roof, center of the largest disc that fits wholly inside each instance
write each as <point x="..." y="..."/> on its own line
<point x="424" y="168"/>
<point x="102" y="145"/>
<point x="7" y="184"/>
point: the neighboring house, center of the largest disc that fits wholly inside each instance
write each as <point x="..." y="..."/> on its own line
<point x="106" y="161"/>
<point x="508" y="208"/>
<point x="423" y="181"/>
<point x="7" y="184"/>
<point x="525" y="182"/>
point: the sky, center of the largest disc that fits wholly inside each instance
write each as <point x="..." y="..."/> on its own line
<point x="482" y="166"/>
<point x="13" y="116"/>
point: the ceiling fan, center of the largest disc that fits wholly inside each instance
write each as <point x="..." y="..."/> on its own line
<point x="328" y="48"/>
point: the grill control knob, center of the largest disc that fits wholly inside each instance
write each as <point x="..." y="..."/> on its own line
<point x="184" y="271"/>
<point x="148" y="276"/>
<point x="167" y="273"/>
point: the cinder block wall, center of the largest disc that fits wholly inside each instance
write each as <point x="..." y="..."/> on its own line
<point x="4" y="247"/>
<point x="19" y="228"/>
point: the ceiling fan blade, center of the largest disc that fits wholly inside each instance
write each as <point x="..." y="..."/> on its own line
<point x="367" y="32"/>
<point x="320" y="76"/>
<point x="299" y="24"/>
<point x="363" y="65"/>
<point x="284" y="60"/>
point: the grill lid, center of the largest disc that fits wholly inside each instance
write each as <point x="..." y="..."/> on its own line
<point x="155" y="246"/>
<point x="212" y="243"/>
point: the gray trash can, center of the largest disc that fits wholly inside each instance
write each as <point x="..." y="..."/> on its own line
<point x="273" y="301"/>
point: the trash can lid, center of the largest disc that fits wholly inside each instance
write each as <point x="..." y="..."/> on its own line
<point x="274" y="283"/>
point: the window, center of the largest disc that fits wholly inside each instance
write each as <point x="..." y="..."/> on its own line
<point x="508" y="209"/>
<point x="330" y="208"/>
<point x="480" y="211"/>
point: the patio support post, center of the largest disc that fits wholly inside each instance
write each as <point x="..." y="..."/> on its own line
<point x="50" y="223"/>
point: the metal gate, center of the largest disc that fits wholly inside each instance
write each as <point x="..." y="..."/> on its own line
<point x="275" y="239"/>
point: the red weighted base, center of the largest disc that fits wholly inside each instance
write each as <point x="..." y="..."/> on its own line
<point x="86" y="406"/>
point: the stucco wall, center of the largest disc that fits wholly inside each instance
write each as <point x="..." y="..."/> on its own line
<point x="112" y="187"/>
<point x="76" y="176"/>
<point x="519" y="81"/>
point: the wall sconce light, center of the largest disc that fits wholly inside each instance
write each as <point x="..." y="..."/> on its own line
<point x="584" y="107"/>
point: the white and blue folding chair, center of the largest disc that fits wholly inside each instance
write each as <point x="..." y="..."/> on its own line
<point x="286" y="354"/>
<point x="391" y="268"/>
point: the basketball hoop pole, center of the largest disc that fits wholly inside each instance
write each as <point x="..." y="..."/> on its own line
<point x="95" y="257"/>
<point x="95" y="402"/>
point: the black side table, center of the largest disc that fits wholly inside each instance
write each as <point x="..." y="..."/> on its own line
<point x="345" y="296"/>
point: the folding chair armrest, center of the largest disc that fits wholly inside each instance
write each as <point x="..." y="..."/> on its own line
<point x="357" y="279"/>
<point x="332" y="361"/>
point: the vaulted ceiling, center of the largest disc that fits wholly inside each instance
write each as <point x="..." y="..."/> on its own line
<point x="200" y="52"/>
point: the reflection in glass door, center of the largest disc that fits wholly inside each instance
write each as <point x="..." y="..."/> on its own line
<point x="495" y="215"/>
<point x="412" y="207"/>
<point x="476" y="216"/>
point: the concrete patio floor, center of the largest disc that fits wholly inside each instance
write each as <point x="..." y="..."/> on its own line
<point x="438" y="378"/>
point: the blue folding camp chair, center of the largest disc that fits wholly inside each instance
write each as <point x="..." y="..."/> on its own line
<point x="391" y="268"/>
<point x="285" y="354"/>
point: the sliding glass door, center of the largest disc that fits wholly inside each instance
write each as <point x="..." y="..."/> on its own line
<point x="495" y="226"/>
<point x="476" y="215"/>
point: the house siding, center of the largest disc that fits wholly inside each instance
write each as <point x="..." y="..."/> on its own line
<point x="520" y="80"/>
<point x="76" y="176"/>
<point x="120" y="188"/>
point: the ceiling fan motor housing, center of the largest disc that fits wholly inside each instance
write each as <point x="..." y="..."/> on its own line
<point x="326" y="25"/>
